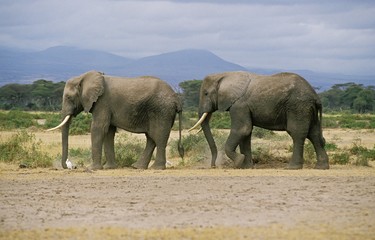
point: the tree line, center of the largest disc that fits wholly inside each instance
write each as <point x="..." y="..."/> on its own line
<point x="41" y="95"/>
<point x="44" y="95"/>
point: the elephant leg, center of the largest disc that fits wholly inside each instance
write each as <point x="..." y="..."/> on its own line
<point x="109" y="148"/>
<point x="297" y="156"/>
<point x="298" y="124"/>
<point x="298" y="135"/>
<point x="97" y="137"/>
<point x="161" y="159"/>
<point x="316" y="138"/>
<point x="145" y="158"/>
<point x="245" y="148"/>
<point x="161" y="139"/>
<point x="241" y="128"/>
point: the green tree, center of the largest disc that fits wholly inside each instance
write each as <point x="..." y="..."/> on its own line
<point x="40" y="95"/>
<point x="190" y="94"/>
<point x="13" y="96"/>
<point x="349" y="96"/>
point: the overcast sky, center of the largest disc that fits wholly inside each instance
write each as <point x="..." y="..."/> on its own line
<point x="325" y="36"/>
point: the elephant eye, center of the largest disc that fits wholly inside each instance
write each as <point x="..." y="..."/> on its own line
<point x="205" y="93"/>
<point x="68" y="98"/>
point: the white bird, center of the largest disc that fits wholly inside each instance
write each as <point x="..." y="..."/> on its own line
<point x="69" y="164"/>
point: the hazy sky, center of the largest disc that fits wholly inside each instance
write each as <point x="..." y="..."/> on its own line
<point x="326" y="36"/>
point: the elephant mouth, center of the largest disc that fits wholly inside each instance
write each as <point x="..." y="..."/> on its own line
<point x="66" y="119"/>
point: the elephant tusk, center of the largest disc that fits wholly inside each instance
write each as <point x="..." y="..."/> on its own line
<point x="199" y="121"/>
<point x="61" y="124"/>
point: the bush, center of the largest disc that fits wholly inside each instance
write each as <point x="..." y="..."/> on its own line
<point x="15" y="119"/>
<point x="362" y="154"/>
<point x="331" y="146"/>
<point x="128" y="150"/>
<point x="264" y="156"/>
<point x="52" y="119"/>
<point x="220" y="120"/>
<point x="342" y="158"/>
<point x="81" y="156"/>
<point x="22" y="148"/>
<point x="352" y="121"/>
<point x="81" y="124"/>
<point x="262" y="133"/>
<point x="309" y="151"/>
<point x="196" y="147"/>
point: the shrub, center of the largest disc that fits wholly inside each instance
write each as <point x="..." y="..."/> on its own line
<point x="15" y="119"/>
<point x="220" y="120"/>
<point x="340" y="158"/>
<point x="81" y="124"/>
<point x="263" y="156"/>
<point x="262" y="133"/>
<point x="22" y="148"/>
<point x="352" y="121"/>
<point x="196" y="147"/>
<point x="309" y="151"/>
<point x="128" y="150"/>
<point x="362" y="154"/>
<point x="52" y="120"/>
<point x="81" y="156"/>
<point x="331" y="146"/>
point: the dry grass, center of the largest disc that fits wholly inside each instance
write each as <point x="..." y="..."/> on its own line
<point x="278" y="146"/>
<point x="274" y="231"/>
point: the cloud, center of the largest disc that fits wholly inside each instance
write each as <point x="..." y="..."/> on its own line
<point x="333" y="36"/>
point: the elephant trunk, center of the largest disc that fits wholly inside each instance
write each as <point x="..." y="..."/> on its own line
<point x="65" y="137"/>
<point x="210" y="140"/>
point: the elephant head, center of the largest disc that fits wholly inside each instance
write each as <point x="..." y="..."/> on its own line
<point x="80" y="93"/>
<point x="219" y="92"/>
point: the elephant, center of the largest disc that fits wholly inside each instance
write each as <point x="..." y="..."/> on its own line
<point x="140" y="105"/>
<point x="279" y="102"/>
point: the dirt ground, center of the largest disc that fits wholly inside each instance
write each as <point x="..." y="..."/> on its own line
<point x="190" y="203"/>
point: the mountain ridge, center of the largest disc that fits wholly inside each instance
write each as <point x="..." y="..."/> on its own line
<point x="60" y="63"/>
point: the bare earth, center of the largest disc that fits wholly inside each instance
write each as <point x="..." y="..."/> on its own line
<point x="190" y="203"/>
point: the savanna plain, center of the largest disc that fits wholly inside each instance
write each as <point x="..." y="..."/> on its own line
<point x="190" y="200"/>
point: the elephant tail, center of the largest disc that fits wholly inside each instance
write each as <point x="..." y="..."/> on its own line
<point x="181" y="149"/>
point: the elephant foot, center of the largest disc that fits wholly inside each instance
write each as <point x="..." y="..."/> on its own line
<point x="137" y="165"/>
<point x="95" y="167"/>
<point x="110" y="166"/>
<point x="247" y="165"/>
<point x="322" y="165"/>
<point x="156" y="166"/>
<point x="294" y="166"/>
<point x="238" y="161"/>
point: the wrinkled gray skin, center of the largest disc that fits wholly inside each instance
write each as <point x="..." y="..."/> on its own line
<point x="283" y="101"/>
<point x="139" y="105"/>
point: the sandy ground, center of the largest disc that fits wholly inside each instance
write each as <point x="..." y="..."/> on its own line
<point x="190" y="203"/>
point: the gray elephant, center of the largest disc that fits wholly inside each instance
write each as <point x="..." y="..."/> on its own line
<point x="283" y="101"/>
<point x="139" y="105"/>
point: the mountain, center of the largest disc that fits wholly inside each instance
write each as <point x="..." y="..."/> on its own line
<point x="178" y="66"/>
<point x="61" y="63"/>
<point x="56" y="63"/>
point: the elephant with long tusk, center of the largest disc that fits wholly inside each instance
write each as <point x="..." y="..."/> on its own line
<point x="140" y="105"/>
<point x="281" y="102"/>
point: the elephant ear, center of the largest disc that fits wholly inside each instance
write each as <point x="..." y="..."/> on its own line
<point x="92" y="86"/>
<point x="231" y="87"/>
